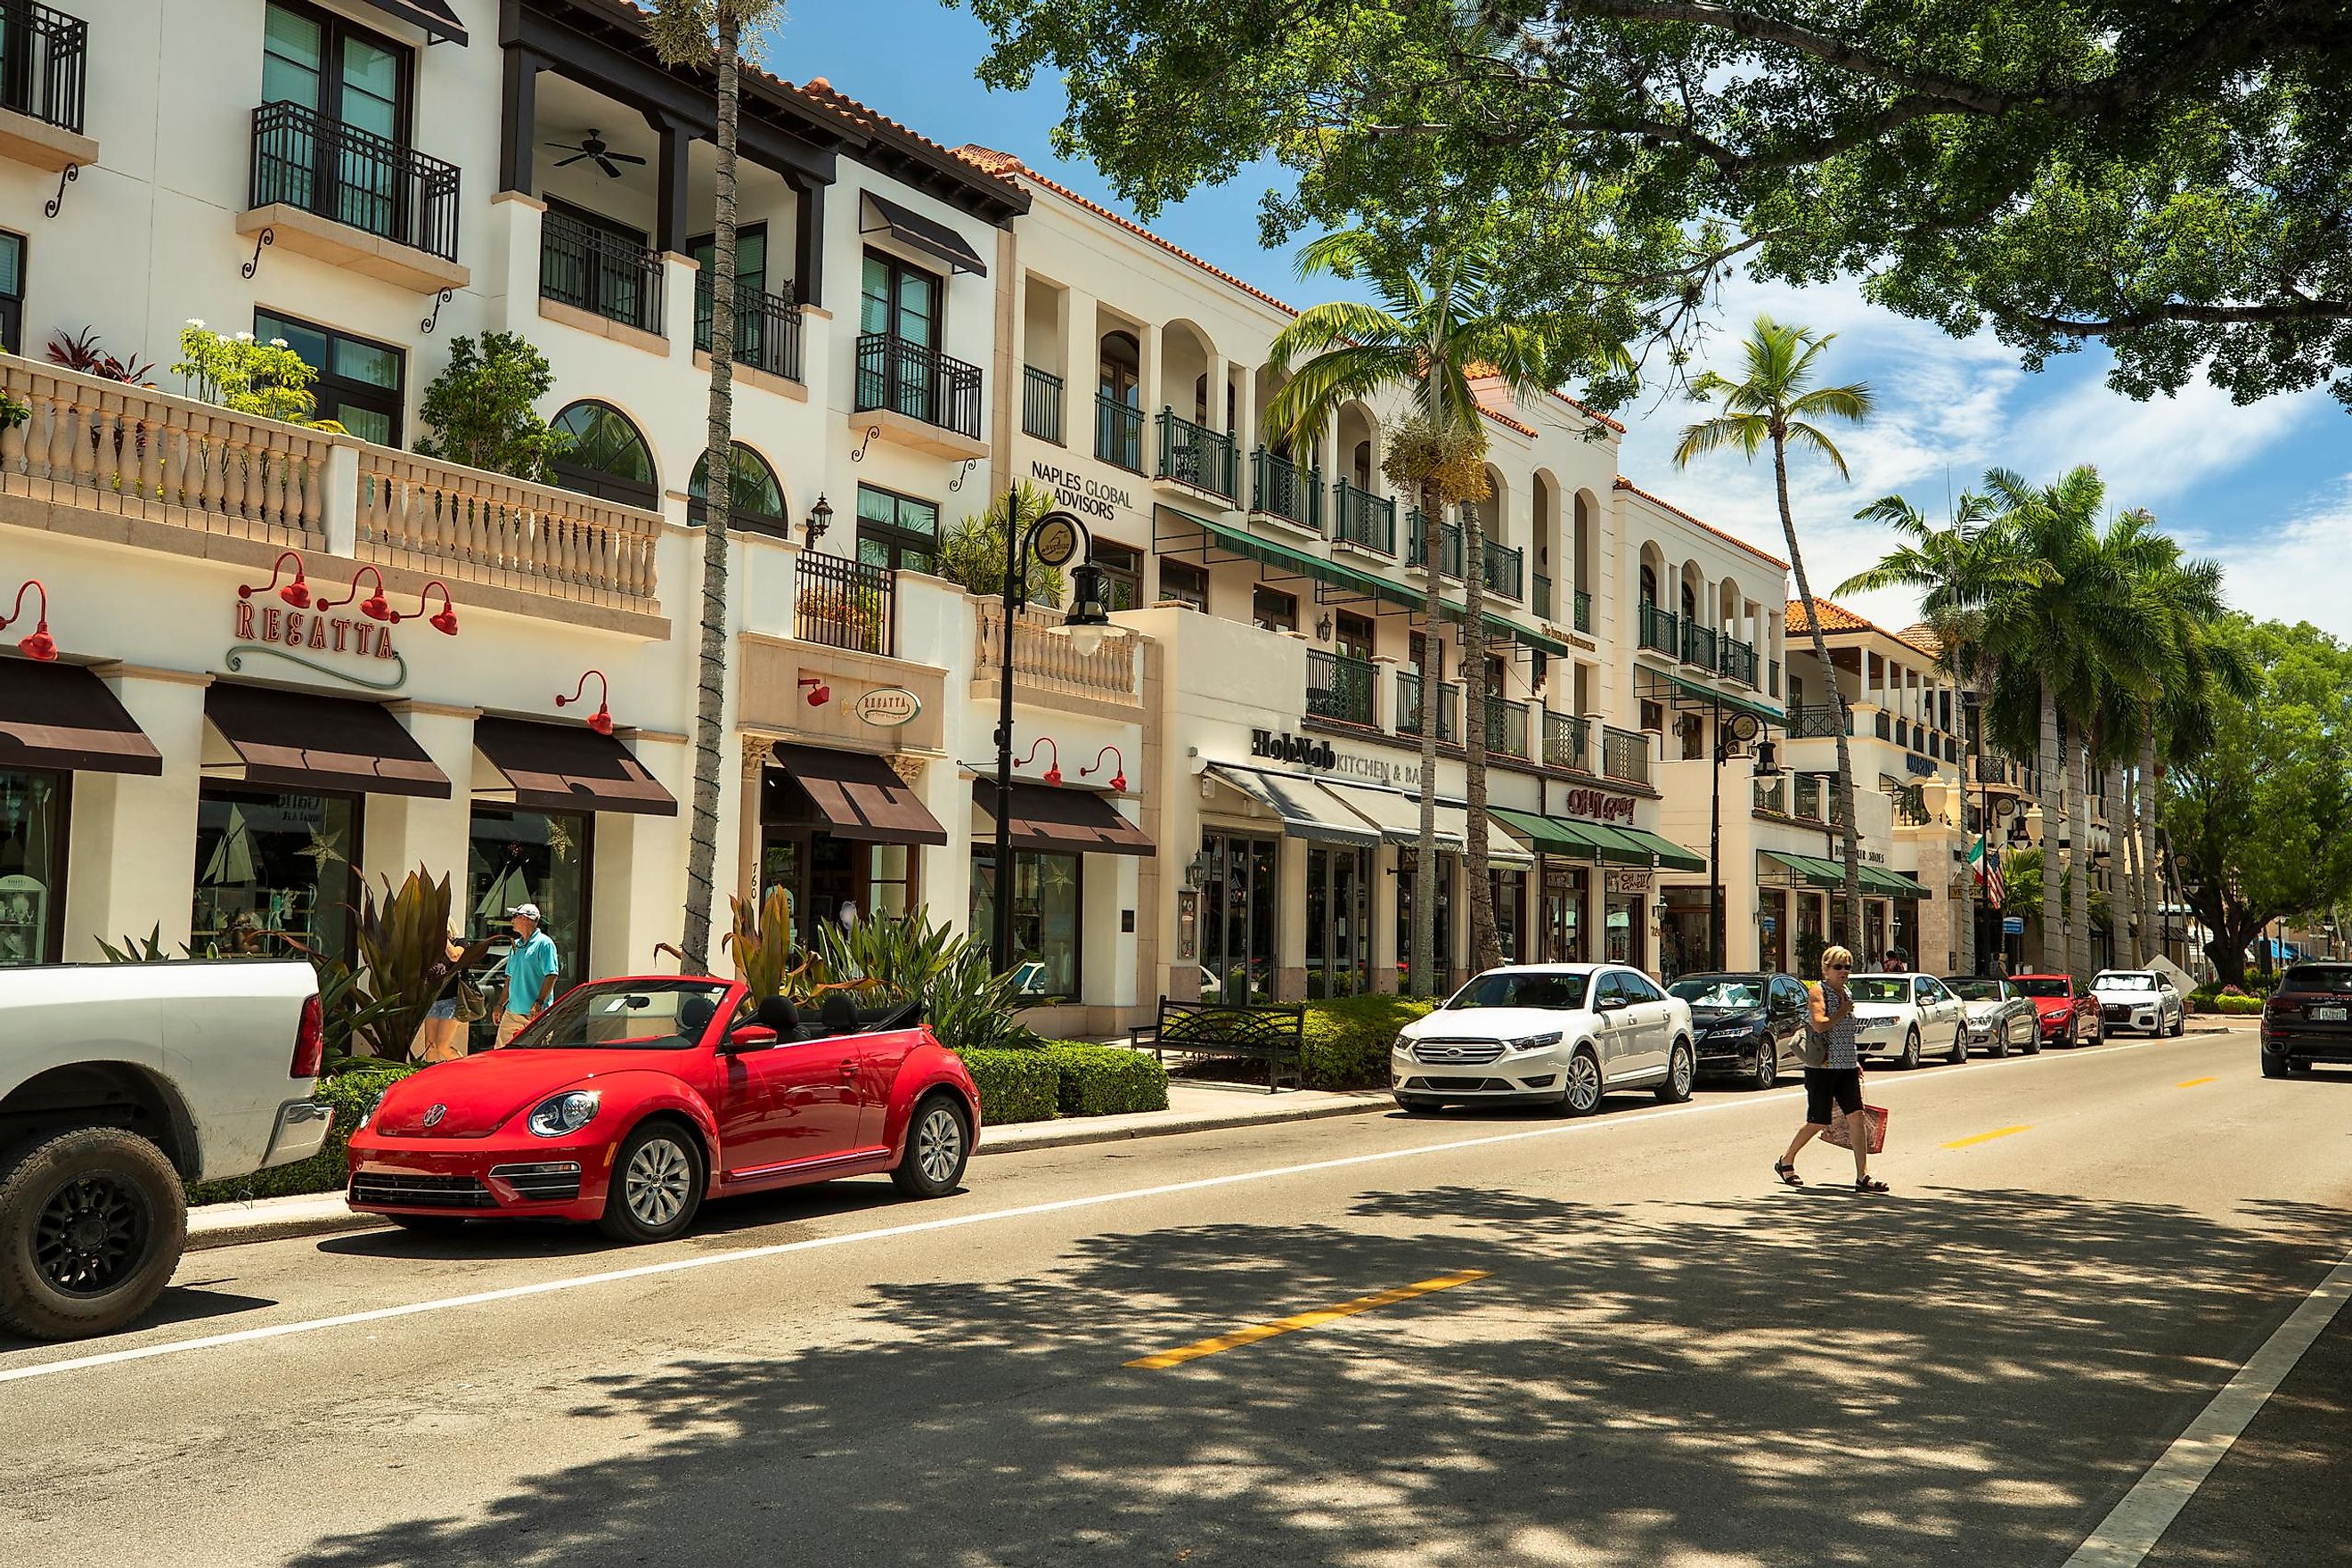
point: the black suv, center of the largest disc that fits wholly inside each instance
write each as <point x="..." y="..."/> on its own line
<point x="1748" y="1022"/>
<point x="2308" y="1020"/>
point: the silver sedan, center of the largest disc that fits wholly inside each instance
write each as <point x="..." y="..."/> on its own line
<point x="2000" y="1017"/>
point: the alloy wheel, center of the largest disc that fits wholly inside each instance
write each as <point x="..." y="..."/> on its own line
<point x="1679" y="1069"/>
<point x="654" y="1185"/>
<point x="939" y="1145"/>
<point x="90" y="1235"/>
<point x="1583" y="1083"/>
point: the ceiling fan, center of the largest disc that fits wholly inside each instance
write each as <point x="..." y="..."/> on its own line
<point x="594" y="146"/>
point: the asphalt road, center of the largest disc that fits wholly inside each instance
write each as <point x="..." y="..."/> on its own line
<point x="1629" y="1347"/>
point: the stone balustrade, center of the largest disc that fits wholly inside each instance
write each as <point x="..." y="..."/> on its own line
<point x="481" y="527"/>
<point x="1047" y="660"/>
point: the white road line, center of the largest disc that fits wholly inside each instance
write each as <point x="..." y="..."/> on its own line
<point x="2131" y="1531"/>
<point x="952" y="1222"/>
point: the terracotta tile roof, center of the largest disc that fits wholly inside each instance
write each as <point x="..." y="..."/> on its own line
<point x="823" y="95"/>
<point x="1836" y="618"/>
<point x="1625" y="484"/>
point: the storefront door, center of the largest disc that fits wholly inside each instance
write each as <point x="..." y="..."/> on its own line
<point x="33" y="816"/>
<point x="1238" y="915"/>
<point x="1338" y="921"/>
<point x="1565" y="889"/>
<point x="1510" y="895"/>
<point x="1626" y="914"/>
<point x="818" y="869"/>
<point x="1442" y="981"/>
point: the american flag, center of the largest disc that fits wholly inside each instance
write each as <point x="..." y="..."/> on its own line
<point x="1987" y="861"/>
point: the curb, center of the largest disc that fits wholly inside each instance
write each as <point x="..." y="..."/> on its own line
<point x="263" y="1226"/>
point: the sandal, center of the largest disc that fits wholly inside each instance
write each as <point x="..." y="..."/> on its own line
<point x="1788" y="1174"/>
<point x="1869" y="1185"/>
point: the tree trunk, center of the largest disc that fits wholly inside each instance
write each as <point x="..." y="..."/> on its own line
<point x="1851" y="895"/>
<point x="2050" y="769"/>
<point x="2079" y="863"/>
<point x="711" y="695"/>
<point x="1486" y="948"/>
<point x="2151" y="891"/>
<point x="1424" y="863"/>
<point x="1965" y="948"/>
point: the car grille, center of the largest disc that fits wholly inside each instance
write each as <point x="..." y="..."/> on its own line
<point x="2118" y="1010"/>
<point x="1460" y="1085"/>
<point x="555" y="1182"/>
<point x="1469" y="1053"/>
<point x="405" y="1191"/>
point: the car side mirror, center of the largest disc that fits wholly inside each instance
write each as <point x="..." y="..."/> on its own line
<point x="750" y="1037"/>
<point x="1610" y="1004"/>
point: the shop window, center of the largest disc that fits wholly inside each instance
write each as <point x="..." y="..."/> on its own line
<point x="896" y="531"/>
<point x="1240" y="914"/>
<point x="359" y="383"/>
<point x="1408" y="886"/>
<point x="759" y="504"/>
<point x="274" y="867"/>
<point x="607" y="457"/>
<point x="1273" y="611"/>
<point x="34" y="810"/>
<point x="1047" y="909"/>
<point x="1185" y="583"/>
<point x="903" y="301"/>
<point x="516" y="856"/>
<point x="890" y="882"/>
<point x="1356" y="636"/>
<point x="345" y="75"/>
<point x="1122" y="574"/>
<point x="1510" y="897"/>
<point x="1693" y="731"/>
<point x="12" y="292"/>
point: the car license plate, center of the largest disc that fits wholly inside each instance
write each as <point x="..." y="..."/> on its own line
<point x="2327" y="1015"/>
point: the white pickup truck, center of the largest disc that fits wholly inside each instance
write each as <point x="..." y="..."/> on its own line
<point x="118" y="1081"/>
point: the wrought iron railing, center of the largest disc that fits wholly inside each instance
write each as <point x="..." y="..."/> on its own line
<point x="1737" y="660"/>
<point x="1362" y="518"/>
<point x="1539" y="600"/>
<point x="1564" y="735"/>
<point x="1660" y="631"/>
<point x="1583" y="611"/>
<point x="585" y="267"/>
<point x="918" y="381"/>
<point x="1449" y="544"/>
<point x="767" y="328"/>
<point x="305" y="160"/>
<point x="1118" y="432"/>
<point x="1506" y="727"/>
<point x="1881" y="723"/>
<point x="844" y="602"/>
<point x="1340" y="688"/>
<point x="1624" y="755"/>
<point x="1408" y="720"/>
<point x="1698" y="645"/>
<point x="1814" y="720"/>
<point x="1196" y="455"/>
<point x="1911" y="806"/>
<point x="1041" y="403"/>
<point x="44" y="63"/>
<point x="1506" y="568"/>
<point x="1280" y="487"/>
<point x="1772" y="796"/>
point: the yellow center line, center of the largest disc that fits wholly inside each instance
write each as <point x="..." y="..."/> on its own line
<point x="2192" y="1083"/>
<point x="1985" y="1137"/>
<point x="1316" y="1319"/>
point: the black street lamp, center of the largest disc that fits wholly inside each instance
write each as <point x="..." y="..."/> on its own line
<point x="1729" y="735"/>
<point x="1053" y="539"/>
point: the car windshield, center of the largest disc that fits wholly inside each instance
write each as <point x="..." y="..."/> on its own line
<point x="626" y="1014"/>
<point x="1969" y="989"/>
<point x="1720" y="991"/>
<point x="2042" y="985"/>
<point x="2124" y="983"/>
<point x="1881" y="988"/>
<point x="1508" y="990"/>
<point x="2316" y="977"/>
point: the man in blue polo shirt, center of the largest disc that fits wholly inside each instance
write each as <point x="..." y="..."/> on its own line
<point x="530" y="972"/>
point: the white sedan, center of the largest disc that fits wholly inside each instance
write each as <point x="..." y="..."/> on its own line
<point x="1551" y="1034"/>
<point x="1900" y="1016"/>
<point x="2140" y="999"/>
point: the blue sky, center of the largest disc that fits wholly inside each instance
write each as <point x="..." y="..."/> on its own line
<point x="2267" y="490"/>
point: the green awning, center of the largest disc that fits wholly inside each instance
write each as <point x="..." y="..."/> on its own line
<point x="1735" y="704"/>
<point x="1548" y="833"/>
<point x="1672" y="855"/>
<point x="1810" y="870"/>
<point x="1894" y="884"/>
<point x="1874" y="880"/>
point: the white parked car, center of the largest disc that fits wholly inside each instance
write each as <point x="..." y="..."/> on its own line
<point x="1551" y="1034"/>
<point x="2140" y="999"/>
<point x="1901" y="1016"/>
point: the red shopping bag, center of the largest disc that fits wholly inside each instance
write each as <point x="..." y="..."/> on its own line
<point x="1875" y="1115"/>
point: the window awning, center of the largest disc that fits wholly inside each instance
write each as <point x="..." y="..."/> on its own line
<point x="1894" y="884"/>
<point x="1815" y="872"/>
<point x="929" y="236"/>
<point x="1066" y="821"/>
<point x="62" y="716"/>
<point x="859" y="797"/>
<point x="1693" y="695"/>
<point x="1543" y="834"/>
<point x="1807" y="870"/>
<point x="434" y="15"/>
<point x="1640" y="847"/>
<point x="564" y="767"/>
<point x="1398" y="817"/>
<point x="299" y="739"/>
<point x="1306" y="810"/>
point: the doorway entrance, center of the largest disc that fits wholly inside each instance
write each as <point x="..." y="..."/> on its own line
<point x="1237" y="920"/>
<point x="1338" y="921"/>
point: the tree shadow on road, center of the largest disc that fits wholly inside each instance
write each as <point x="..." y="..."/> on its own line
<point x="1950" y="1378"/>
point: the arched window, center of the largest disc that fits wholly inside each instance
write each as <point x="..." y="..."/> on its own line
<point x="1648" y="584"/>
<point x="607" y="457"/>
<point x="759" y="504"/>
<point x="1690" y="602"/>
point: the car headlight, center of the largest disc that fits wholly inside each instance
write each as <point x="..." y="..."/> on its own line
<point x="567" y="1112"/>
<point x="1535" y="1042"/>
<point x="373" y="1105"/>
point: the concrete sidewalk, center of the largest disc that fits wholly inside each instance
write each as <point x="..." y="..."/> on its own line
<point x="1191" y="1108"/>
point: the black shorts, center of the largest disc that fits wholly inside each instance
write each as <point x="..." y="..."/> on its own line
<point x="1828" y="1087"/>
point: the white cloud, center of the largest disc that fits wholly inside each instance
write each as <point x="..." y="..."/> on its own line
<point x="2299" y="570"/>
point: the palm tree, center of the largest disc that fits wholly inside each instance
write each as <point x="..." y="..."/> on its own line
<point x="1775" y="404"/>
<point x="711" y="33"/>
<point x="1959" y="571"/>
<point x="1440" y="315"/>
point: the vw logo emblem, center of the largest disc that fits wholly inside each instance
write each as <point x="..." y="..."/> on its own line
<point x="433" y="1117"/>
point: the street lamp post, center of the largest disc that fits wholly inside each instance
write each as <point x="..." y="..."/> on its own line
<point x="1053" y="540"/>
<point x="1728" y="738"/>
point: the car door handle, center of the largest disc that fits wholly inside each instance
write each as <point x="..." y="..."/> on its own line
<point x="849" y="1070"/>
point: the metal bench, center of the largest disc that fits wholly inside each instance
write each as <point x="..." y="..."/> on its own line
<point x="1275" y="1036"/>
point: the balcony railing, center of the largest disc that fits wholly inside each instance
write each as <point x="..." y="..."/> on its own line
<point x="1583" y="611"/>
<point x="1882" y="723"/>
<point x="918" y="381"/>
<point x="1043" y="658"/>
<point x="1449" y="544"/>
<point x="1540" y="601"/>
<point x="1041" y="403"/>
<point x="1362" y="518"/>
<point x="1624" y="756"/>
<point x="1506" y="566"/>
<point x="1660" y="633"/>
<point x="1807" y="797"/>
<point x="1739" y="661"/>
<point x="767" y="329"/>
<point x="44" y="59"/>
<point x="1449" y="702"/>
<point x="585" y="267"/>
<point x="1118" y="432"/>
<point x="1564" y="735"/>
<point x="1506" y="727"/>
<point x="305" y="160"/>
<point x="845" y="602"/>
<point x="1772" y="796"/>
<point x="1698" y="645"/>
<point x="1815" y="720"/>
<point x="1340" y="688"/>
<point x="1280" y="487"/>
<point x="1911" y="806"/>
<point x="1196" y="455"/>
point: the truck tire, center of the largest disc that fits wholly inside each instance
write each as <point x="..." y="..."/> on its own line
<point x="91" y="1225"/>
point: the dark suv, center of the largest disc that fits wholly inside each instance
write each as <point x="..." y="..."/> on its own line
<point x="2308" y="1020"/>
<point x="1748" y="1023"/>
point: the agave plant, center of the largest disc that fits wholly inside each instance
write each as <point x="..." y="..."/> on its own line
<point x="761" y="943"/>
<point x="967" y="1004"/>
<point x="405" y="962"/>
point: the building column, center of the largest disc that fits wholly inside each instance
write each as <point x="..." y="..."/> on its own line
<point x="400" y="834"/>
<point x="1290" y="916"/>
<point x="1384" y="919"/>
<point x="519" y="129"/>
<point x="130" y="857"/>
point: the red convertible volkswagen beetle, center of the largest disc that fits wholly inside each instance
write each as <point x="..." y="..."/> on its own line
<point x="631" y="1100"/>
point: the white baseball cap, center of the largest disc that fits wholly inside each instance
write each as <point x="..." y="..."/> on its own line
<point x="528" y="911"/>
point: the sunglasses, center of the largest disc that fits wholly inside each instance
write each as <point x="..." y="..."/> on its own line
<point x="1841" y="968"/>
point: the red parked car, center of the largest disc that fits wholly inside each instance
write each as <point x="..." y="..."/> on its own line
<point x="631" y="1100"/>
<point x="2066" y="1019"/>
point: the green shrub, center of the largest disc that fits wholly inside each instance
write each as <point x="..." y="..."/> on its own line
<point x="1015" y="1085"/>
<point x="1348" y="1039"/>
<point x="351" y="1093"/>
<point x="2239" y="1007"/>
<point x="1105" y="1081"/>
